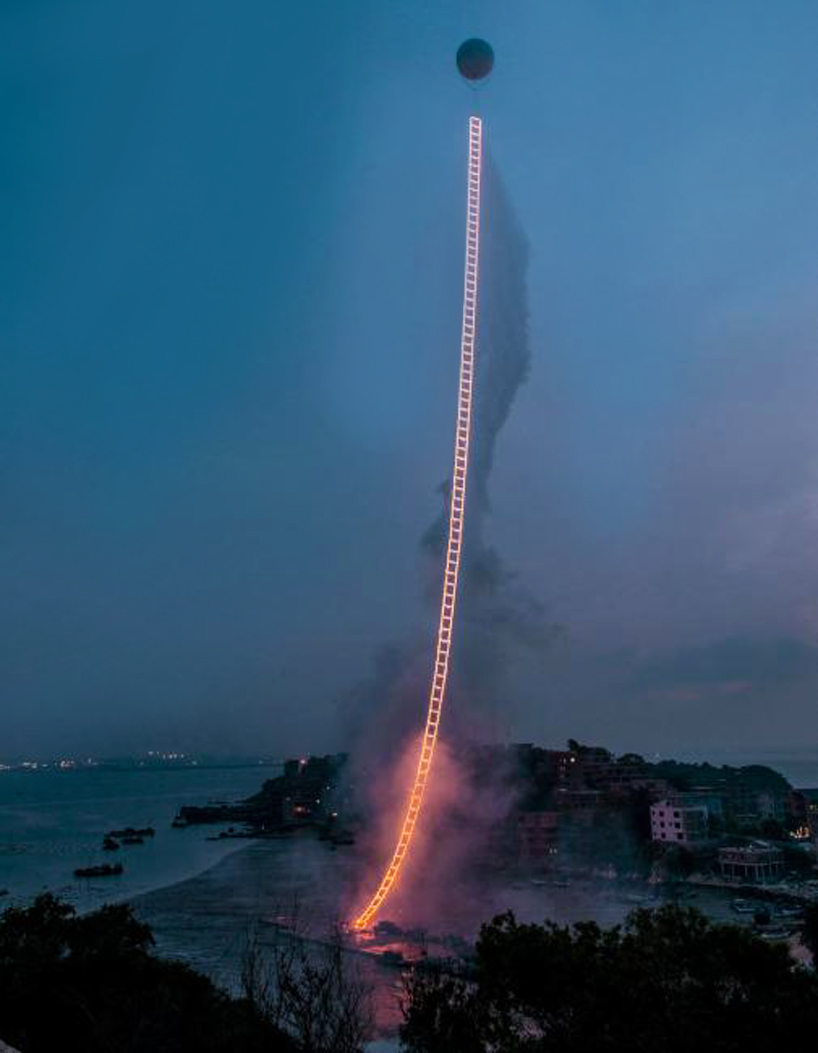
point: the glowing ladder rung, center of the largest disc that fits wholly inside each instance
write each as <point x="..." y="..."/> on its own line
<point x="456" y="515"/>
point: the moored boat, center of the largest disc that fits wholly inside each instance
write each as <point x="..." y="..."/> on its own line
<point x="103" y="870"/>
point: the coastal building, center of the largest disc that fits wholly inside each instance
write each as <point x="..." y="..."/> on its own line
<point x="554" y="766"/>
<point x="674" y="822"/>
<point x="756" y="863"/>
<point x="524" y="838"/>
<point x="587" y="766"/>
<point x="704" y="797"/>
<point x="595" y="768"/>
<point x="656" y="788"/>
<point x="537" y="835"/>
<point x="581" y="805"/>
<point x="756" y="794"/>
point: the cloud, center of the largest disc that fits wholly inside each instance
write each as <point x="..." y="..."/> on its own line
<point x="732" y="665"/>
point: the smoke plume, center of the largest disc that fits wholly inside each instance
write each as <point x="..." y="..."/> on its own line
<point x="497" y="615"/>
<point x="498" y="619"/>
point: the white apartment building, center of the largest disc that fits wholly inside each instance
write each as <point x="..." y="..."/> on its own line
<point x="677" y="823"/>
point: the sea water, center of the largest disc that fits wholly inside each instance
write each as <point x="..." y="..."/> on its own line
<point x="52" y="822"/>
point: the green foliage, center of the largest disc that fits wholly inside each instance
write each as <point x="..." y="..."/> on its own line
<point x="683" y="776"/>
<point x="91" y="983"/>
<point x="669" y="981"/>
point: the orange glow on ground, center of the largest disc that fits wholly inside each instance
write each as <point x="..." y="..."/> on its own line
<point x="455" y="535"/>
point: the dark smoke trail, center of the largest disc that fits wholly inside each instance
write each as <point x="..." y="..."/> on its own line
<point x="497" y="614"/>
<point x="498" y="617"/>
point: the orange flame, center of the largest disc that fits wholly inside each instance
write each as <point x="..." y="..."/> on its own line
<point x="456" y="515"/>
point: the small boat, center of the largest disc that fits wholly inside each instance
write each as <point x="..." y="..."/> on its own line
<point x="131" y="831"/>
<point x="179" y="822"/>
<point x="103" y="870"/>
<point x="743" y="906"/>
<point x="134" y="839"/>
<point x="110" y="845"/>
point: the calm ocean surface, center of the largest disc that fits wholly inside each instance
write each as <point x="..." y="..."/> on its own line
<point x="52" y="822"/>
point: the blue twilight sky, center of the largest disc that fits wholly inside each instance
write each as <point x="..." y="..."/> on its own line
<point x="230" y="270"/>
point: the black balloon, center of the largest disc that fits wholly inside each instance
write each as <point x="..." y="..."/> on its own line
<point x="475" y="59"/>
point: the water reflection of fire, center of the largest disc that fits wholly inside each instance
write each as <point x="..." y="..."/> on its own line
<point x="399" y="948"/>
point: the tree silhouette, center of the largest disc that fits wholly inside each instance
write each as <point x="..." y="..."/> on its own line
<point x="91" y="983"/>
<point x="668" y="981"/>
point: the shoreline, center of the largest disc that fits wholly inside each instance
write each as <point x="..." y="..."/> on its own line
<point x="96" y="901"/>
<point x="46" y="834"/>
<point x="131" y="897"/>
